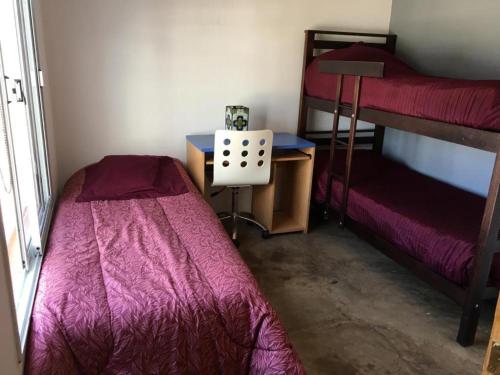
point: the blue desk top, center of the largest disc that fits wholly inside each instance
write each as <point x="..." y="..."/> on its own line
<point x="281" y="141"/>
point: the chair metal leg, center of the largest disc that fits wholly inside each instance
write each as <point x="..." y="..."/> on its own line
<point x="235" y="227"/>
<point x="236" y="216"/>
<point x="234" y="209"/>
<point x="247" y="214"/>
<point x="224" y="216"/>
<point x="251" y="220"/>
<point x="265" y="231"/>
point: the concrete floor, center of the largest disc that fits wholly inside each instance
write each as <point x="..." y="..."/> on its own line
<point x="350" y="310"/>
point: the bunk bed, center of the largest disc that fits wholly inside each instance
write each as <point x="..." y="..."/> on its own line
<point x="446" y="236"/>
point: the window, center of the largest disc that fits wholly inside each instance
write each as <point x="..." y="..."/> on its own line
<point x="25" y="192"/>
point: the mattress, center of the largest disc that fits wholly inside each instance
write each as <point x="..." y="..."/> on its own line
<point x="431" y="221"/>
<point x="149" y="286"/>
<point x="404" y="91"/>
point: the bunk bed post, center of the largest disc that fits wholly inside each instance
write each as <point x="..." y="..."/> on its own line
<point x="350" y="148"/>
<point x="378" y="142"/>
<point x="333" y="145"/>
<point x="487" y="246"/>
<point x="308" y="57"/>
<point x="390" y="43"/>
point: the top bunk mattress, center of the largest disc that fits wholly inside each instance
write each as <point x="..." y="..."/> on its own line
<point x="474" y="104"/>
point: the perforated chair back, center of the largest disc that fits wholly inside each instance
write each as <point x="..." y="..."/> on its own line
<point x="242" y="158"/>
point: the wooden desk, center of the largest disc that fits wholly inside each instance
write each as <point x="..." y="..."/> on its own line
<point x="282" y="205"/>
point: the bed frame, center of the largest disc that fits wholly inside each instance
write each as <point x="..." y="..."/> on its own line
<point x="470" y="298"/>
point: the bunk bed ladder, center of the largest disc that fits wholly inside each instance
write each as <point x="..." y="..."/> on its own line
<point x="487" y="246"/>
<point x="333" y="145"/>
<point x="350" y="148"/>
<point x="358" y="69"/>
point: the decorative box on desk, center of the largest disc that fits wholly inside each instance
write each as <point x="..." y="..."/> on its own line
<point x="283" y="204"/>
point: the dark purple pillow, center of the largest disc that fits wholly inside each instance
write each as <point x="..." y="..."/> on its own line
<point x="362" y="52"/>
<point x="168" y="180"/>
<point x="120" y="177"/>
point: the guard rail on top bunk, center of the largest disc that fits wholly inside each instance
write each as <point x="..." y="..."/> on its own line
<point x="470" y="297"/>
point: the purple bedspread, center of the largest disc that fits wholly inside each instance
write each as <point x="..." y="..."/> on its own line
<point x="433" y="222"/>
<point x="151" y="286"/>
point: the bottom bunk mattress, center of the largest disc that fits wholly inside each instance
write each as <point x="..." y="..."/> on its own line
<point x="433" y="222"/>
<point x="149" y="286"/>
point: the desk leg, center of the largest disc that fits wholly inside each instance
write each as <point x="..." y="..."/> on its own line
<point x="302" y="198"/>
<point x="196" y="168"/>
<point x="263" y="201"/>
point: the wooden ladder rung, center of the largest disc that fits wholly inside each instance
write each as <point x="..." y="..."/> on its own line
<point x="346" y="106"/>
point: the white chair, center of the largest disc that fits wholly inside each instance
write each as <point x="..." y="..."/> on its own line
<point x="242" y="159"/>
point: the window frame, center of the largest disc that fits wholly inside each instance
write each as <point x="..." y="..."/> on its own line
<point x="32" y="252"/>
<point x="35" y="133"/>
<point x="38" y="134"/>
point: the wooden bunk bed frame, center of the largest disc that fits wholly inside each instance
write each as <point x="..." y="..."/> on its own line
<point x="470" y="298"/>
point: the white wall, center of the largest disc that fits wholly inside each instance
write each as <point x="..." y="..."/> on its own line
<point x="9" y="352"/>
<point x="137" y="76"/>
<point x="453" y="38"/>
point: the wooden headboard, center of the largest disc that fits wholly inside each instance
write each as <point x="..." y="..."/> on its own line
<point x="317" y="40"/>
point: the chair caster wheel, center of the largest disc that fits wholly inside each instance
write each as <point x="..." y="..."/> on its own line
<point x="326" y="215"/>
<point x="236" y="243"/>
<point x="265" y="234"/>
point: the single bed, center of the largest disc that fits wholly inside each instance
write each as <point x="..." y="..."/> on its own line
<point x="150" y="286"/>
